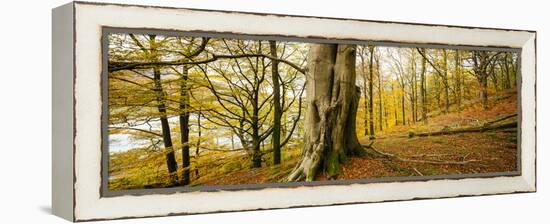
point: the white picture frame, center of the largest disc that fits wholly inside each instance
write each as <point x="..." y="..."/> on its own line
<point x="77" y="110"/>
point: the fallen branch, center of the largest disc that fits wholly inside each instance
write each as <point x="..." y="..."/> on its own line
<point x="435" y="162"/>
<point x="468" y="130"/>
<point x="500" y="119"/>
<point x="432" y="155"/>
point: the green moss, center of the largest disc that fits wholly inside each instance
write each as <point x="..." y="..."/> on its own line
<point x="333" y="168"/>
<point x="410" y="133"/>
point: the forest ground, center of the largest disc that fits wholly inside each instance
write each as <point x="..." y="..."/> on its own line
<point x="477" y="152"/>
<point x="412" y="155"/>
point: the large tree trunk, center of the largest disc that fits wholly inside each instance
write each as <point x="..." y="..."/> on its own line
<point x="332" y="99"/>
<point x="276" y="136"/>
<point x="184" y="126"/>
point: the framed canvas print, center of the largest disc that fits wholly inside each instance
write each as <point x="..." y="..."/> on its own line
<point x="165" y="111"/>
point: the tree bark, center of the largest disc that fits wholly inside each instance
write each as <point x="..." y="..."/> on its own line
<point x="483" y="91"/>
<point x="481" y="62"/>
<point x="276" y="135"/>
<point x="165" y="126"/>
<point x="445" y="81"/>
<point x="184" y="125"/>
<point x="365" y="94"/>
<point x="413" y="87"/>
<point x="458" y="84"/>
<point x="506" y="71"/>
<point x="396" y="103"/>
<point x="371" y="95"/>
<point x="437" y="89"/>
<point x="198" y="146"/>
<point x="380" y="90"/>
<point x="403" y="112"/>
<point x="332" y="99"/>
<point x="166" y="135"/>
<point x="423" y="89"/>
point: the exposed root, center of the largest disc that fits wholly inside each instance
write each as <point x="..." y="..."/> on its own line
<point x="307" y="167"/>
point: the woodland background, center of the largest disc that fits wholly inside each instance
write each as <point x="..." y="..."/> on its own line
<point x="196" y="110"/>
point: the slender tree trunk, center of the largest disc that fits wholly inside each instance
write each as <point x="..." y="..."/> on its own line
<point x="166" y="135"/>
<point x="365" y="96"/>
<point x="184" y="126"/>
<point x="506" y="71"/>
<point x="366" y="107"/>
<point x="437" y="91"/>
<point x="256" y="150"/>
<point x="481" y="62"/>
<point x="198" y="147"/>
<point x="256" y="155"/>
<point x="413" y="89"/>
<point x="494" y="80"/>
<point x="514" y="70"/>
<point x="458" y="74"/>
<point x="483" y="91"/>
<point x="256" y="141"/>
<point x="380" y="91"/>
<point x="423" y="88"/>
<point x="371" y="95"/>
<point x="445" y="81"/>
<point x="404" y="117"/>
<point x="396" y="103"/>
<point x="171" y="162"/>
<point x="415" y="94"/>
<point x="276" y="136"/>
<point x="332" y="99"/>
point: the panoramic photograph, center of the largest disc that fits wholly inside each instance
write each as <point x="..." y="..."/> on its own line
<point x="190" y="111"/>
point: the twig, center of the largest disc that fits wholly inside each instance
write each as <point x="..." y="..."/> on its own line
<point x="418" y="172"/>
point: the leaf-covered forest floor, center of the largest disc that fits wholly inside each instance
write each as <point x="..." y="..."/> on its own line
<point x="481" y="152"/>
<point x="456" y="153"/>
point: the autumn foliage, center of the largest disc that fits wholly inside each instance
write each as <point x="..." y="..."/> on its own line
<point x="193" y="111"/>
